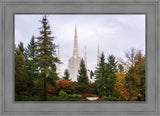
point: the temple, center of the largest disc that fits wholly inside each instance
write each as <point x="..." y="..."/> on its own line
<point x="74" y="61"/>
<point x="59" y="65"/>
<point x="98" y="56"/>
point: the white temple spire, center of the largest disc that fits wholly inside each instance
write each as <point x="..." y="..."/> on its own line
<point x="75" y="49"/>
<point x="98" y="56"/>
<point x="85" y="58"/>
<point x="75" y="30"/>
<point x="59" y="65"/>
<point x="74" y="61"/>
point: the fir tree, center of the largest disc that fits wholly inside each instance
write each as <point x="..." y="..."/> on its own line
<point x="91" y="74"/>
<point x="22" y="50"/>
<point x="112" y="63"/>
<point x="111" y="70"/>
<point x="66" y="75"/>
<point x="21" y="47"/>
<point x="31" y="48"/>
<point x="82" y="77"/>
<point x="100" y="76"/>
<point x="30" y="53"/>
<point x="105" y="76"/>
<point x="45" y="55"/>
<point x="22" y="81"/>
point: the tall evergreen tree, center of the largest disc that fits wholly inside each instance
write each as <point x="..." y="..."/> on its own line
<point x="105" y="76"/>
<point x="45" y="55"/>
<point x="82" y="77"/>
<point x="111" y="70"/>
<point x="66" y="75"/>
<point x="30" y="52"/>
<point x="100" y="76"/>
<point x="22" y="81"/>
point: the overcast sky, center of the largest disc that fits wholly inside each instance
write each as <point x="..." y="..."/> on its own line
<point x="114" y="34"/>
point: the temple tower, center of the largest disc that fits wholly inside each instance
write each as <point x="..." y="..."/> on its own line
<point x="74" y="61"/>
<point x="85" y="58"/>
<point x="98" y="56"/>
<point x="59" y="65"/>
<point x="75" y="50"/>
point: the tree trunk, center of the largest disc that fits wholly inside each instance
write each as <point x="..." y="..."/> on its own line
<point x="45" y="91"/>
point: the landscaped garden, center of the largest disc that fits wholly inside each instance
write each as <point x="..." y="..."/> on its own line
<point x="36" y="78"/>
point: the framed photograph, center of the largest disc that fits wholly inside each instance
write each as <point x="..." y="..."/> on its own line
<point x="83" y="72"/>
<point x="79" y="57"/>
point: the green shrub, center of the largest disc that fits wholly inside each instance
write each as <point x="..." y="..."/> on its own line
<point x="57" y="99"/>
<point x="75" y="97"/>
<point x="109" y="98"/>
<point x="105" y="98"/>
<point x="63" y="94"/>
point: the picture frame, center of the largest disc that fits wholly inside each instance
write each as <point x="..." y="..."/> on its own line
<point x="8" y="106"/>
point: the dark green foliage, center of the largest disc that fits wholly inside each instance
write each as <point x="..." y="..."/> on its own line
<point x="23" y="83"/>
<point x="91" y="74"/>
<point x="37" y="89"/>
<point x="109" y="80"/>
<point x="21" y="47"/>
<point x="31" y="48"/>
<point x="66" y="75"/>
<point x="105" y="76"/>
<point x="112" y="63"/>
<point x="58" y="98"/>
<point x="27" y="98"/>
<point x="53" y="77"/>
<point x="82" y="77"/>
<point x="111" y="70"/>
<point x="121" y="68"/>
<point x="22" y="50"/>
<point x="100" y="76"/>
<point x="31" y="54"/>
<point x="110" y="98"/>
<point x="45" y="51"/>
<point x="37" y="98"/>
<point x="75" y="97"/>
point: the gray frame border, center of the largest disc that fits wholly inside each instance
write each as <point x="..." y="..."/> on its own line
<point x="9" y="7"/>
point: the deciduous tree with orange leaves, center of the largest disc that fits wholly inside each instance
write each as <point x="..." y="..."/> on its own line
<point x="135" y="78"/>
